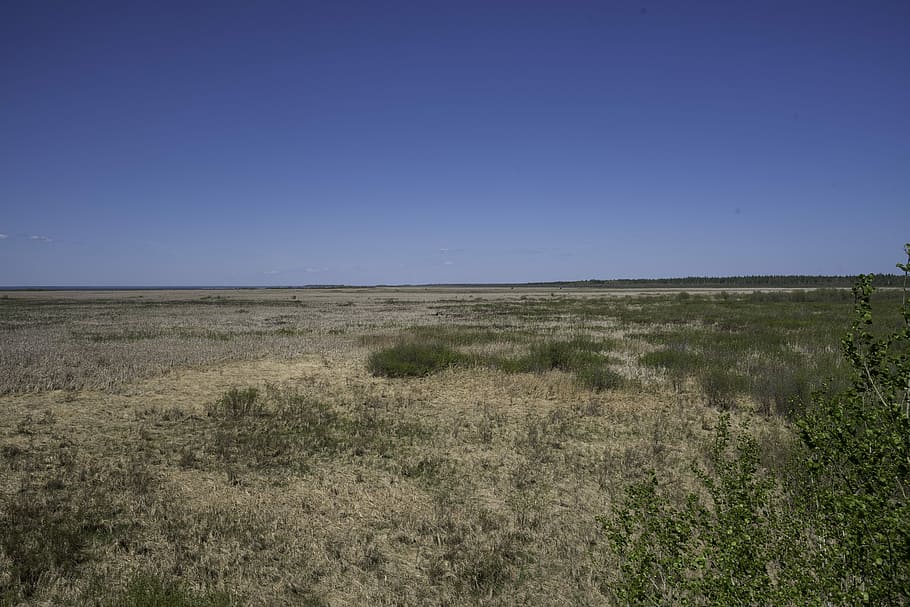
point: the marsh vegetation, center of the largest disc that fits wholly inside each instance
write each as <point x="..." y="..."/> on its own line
<point x="390" y="446"/>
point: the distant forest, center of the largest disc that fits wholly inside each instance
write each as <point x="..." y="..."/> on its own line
<point x="732" y="282"/>
<point x="689" y="282"/>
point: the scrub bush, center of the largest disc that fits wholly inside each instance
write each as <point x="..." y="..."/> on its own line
<point x="832" y="527"/>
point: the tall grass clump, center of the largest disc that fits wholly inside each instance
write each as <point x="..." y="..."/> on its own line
<point x="781" y="389"/>
<point x="599" y="378"/>
<point x="581" y="355"/>
<point x="413" y="360"/>
<point x="720" y="386"/>
<point x="237" y="403"/>
<point x="275" y="430"/>
<point x="561" y="355"/>
<point x="677" y="362"/>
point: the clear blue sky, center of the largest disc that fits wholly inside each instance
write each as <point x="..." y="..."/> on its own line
<point x="332" y="142"/>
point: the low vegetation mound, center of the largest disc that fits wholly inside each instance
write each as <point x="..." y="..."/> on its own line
<point x="412" y="360"/>
<point x="581" y="355"/>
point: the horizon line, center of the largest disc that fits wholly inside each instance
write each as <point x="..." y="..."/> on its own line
<point x="580" y="283"/>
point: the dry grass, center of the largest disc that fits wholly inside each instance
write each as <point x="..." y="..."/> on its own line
<point x="331" y="486"/>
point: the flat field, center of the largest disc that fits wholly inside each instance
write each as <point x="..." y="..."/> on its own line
<point x="382" y="446"/>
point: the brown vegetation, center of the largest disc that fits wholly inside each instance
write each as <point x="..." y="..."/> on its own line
<point x="234" y="448"/>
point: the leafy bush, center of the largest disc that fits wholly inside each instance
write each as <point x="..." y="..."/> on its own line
<point x="833" y="528"/>
<point x="412" y="360"/>
<point x="858" y="463"/>
<point x="580" y="355"/>
<point x="702" y="554"/>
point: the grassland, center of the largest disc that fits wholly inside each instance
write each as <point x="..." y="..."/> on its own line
<point x="372" y="446"/>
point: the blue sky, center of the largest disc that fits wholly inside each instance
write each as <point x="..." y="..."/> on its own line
<point x="248" y="143"/>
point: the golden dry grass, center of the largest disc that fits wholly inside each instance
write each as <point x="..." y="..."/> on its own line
<point x="471" y="486"/>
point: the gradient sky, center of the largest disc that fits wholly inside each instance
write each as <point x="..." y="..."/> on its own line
<point x="286" y="143"/>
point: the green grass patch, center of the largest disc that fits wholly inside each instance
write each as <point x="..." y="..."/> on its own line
<point x="47" y="531"/>
<point x="781" y="388"/>
<point x="721" y="386"/>
<point x="152" y="591"/>
<point x="599" y="378"/>
<point x="576" y="353"/>
<point x="583" y="356"/>
<point x="672" y="360"/>
<point x="413" y="360"/>
<point x="288" y="430"/>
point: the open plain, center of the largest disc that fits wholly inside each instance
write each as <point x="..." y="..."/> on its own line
<point x="252" y="447"/>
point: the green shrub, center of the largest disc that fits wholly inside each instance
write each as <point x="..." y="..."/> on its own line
<point x="580" y="355"/>
<point x="715" y="551"/>
<point x="412" y="360"/>
<point x="832" y="528"/>
<point x="555" y="355"/>
<point x="858" y="463"/>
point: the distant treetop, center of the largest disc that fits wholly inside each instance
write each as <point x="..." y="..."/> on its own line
<point x="735" y="282"/>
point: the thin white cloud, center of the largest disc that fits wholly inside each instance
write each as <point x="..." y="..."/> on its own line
<point x="272" y="272"/>
<point x="446" y="250"/>
<point x="38" y="238"/>
<point x="313" y="270"/>
<point x="448" y="263"/>
<point x="4" y="236"/>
